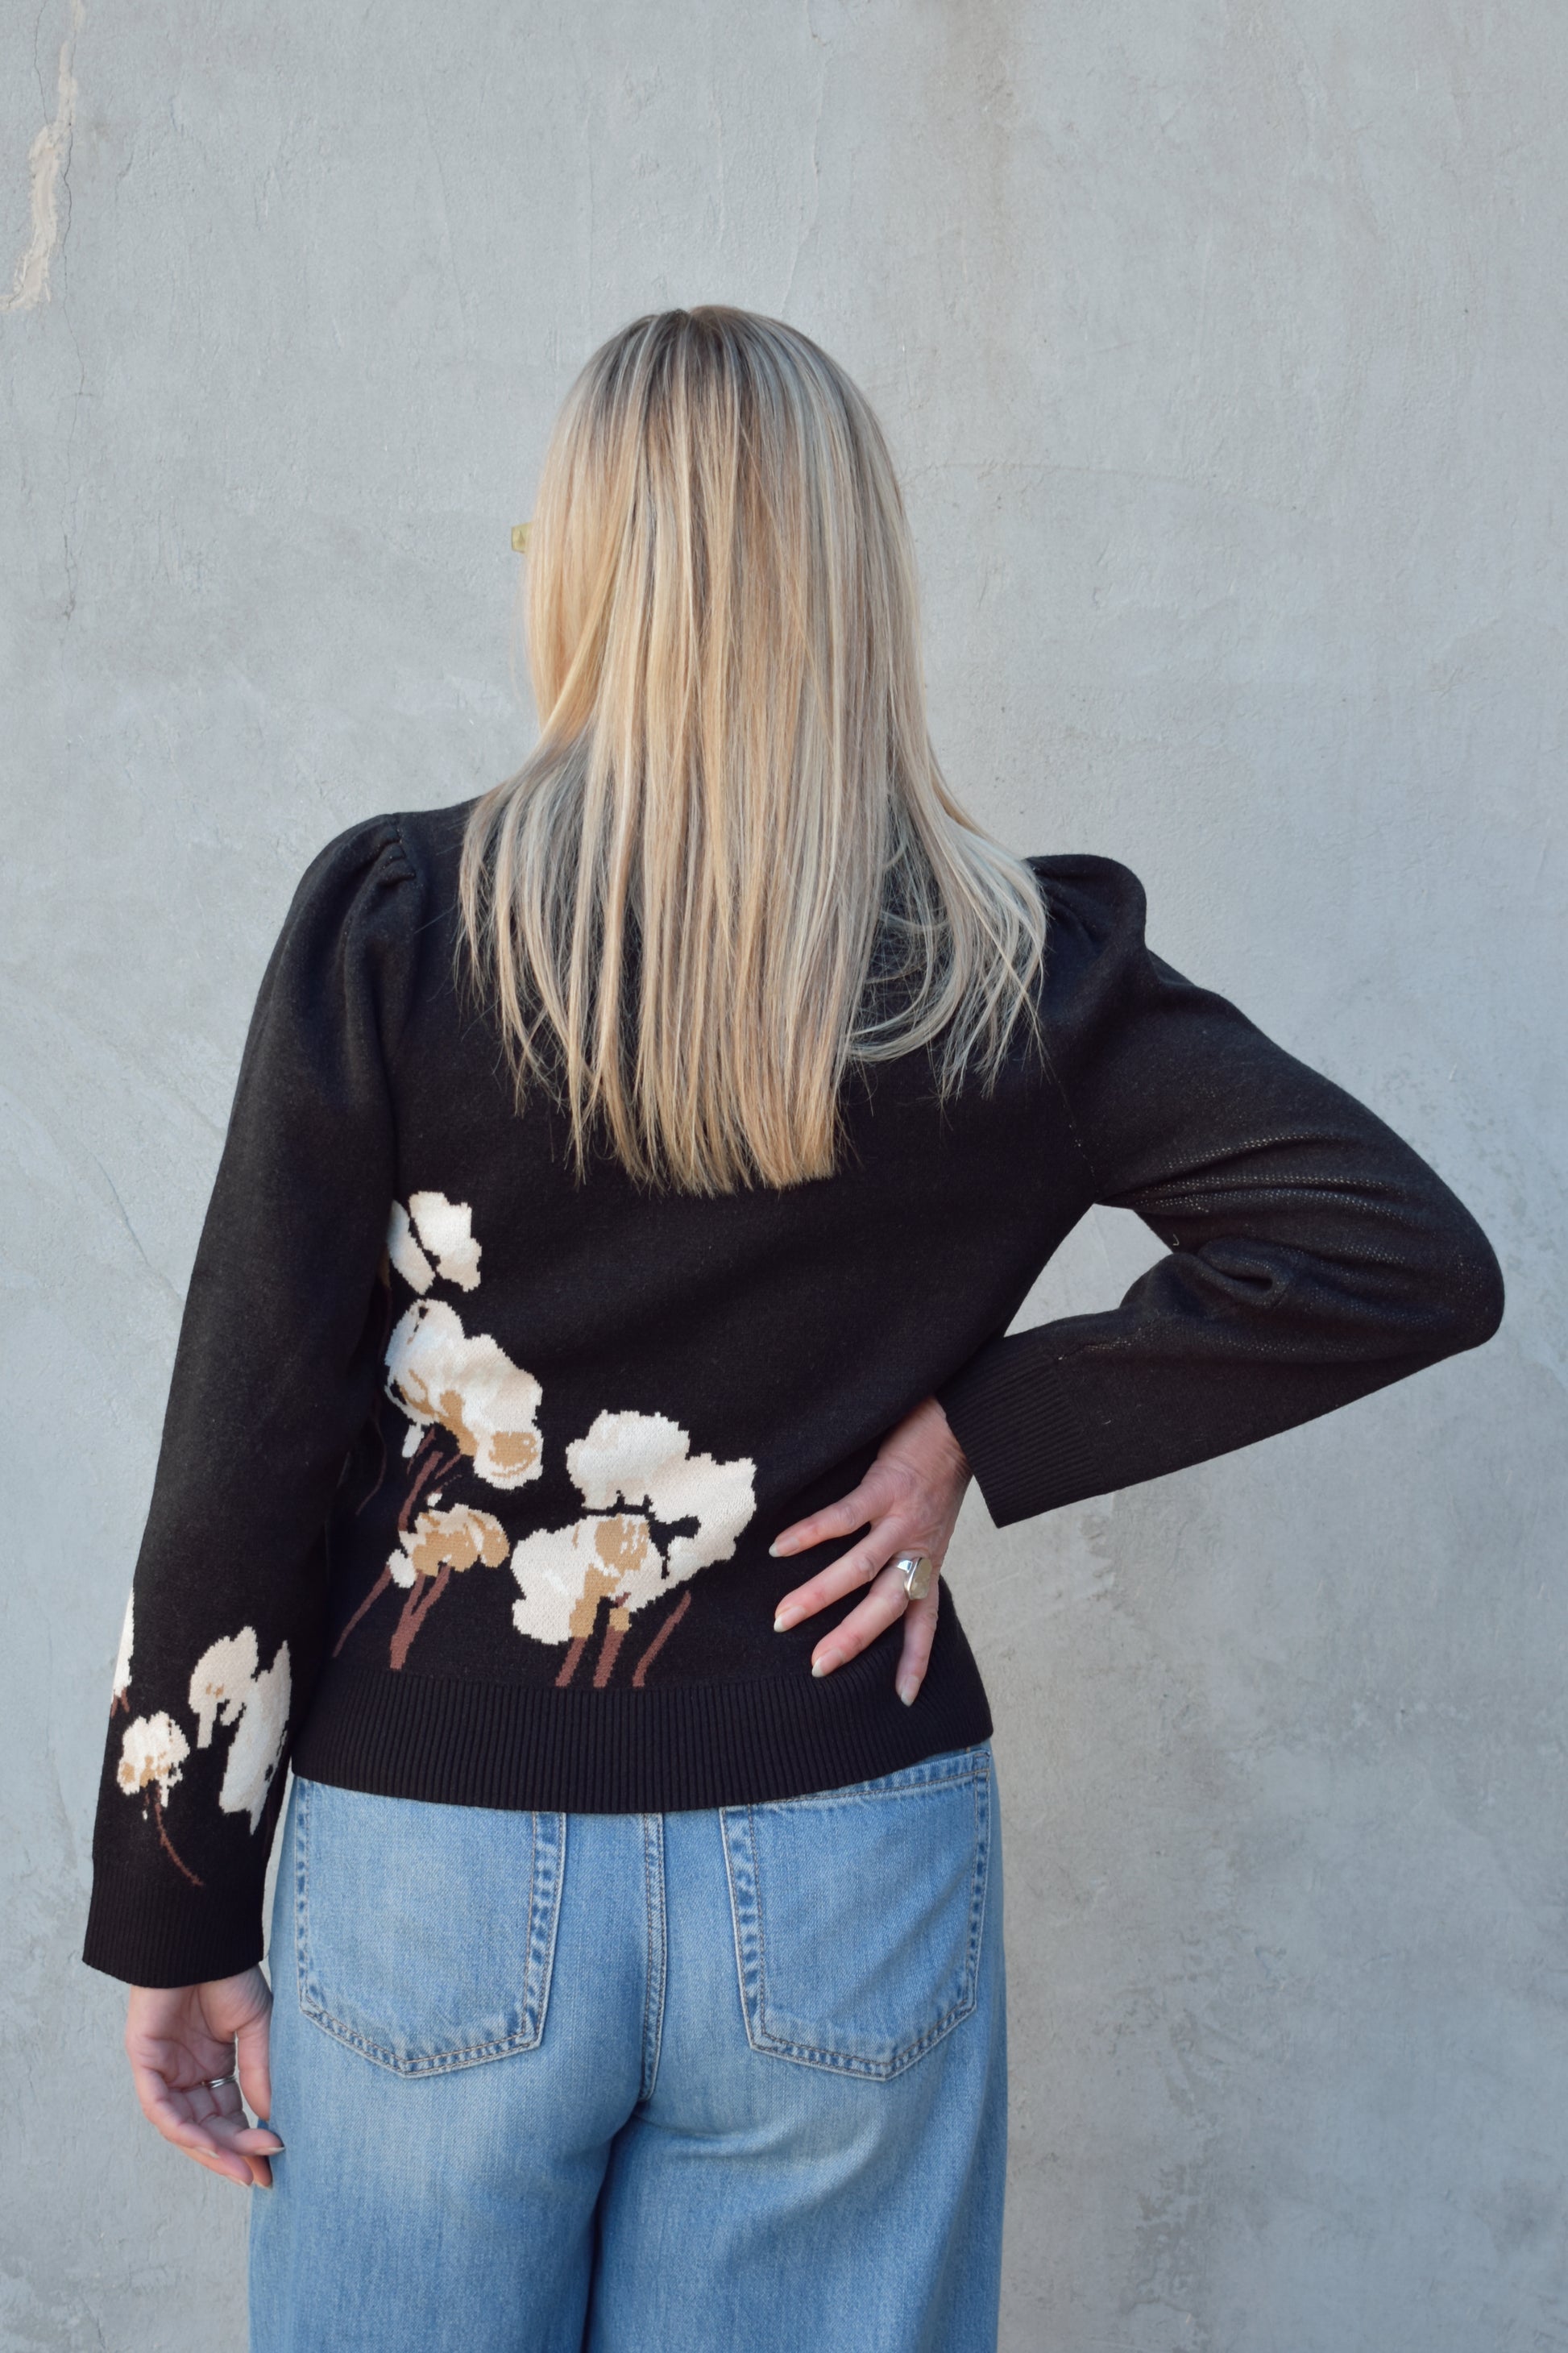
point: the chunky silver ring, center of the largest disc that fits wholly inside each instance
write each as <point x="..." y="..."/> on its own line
<point x="916" y="1569"/>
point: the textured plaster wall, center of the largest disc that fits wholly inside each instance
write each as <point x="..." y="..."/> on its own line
<point x="1223" y="347"/>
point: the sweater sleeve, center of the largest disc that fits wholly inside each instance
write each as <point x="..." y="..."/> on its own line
<point x="1313" y="1256"/>
<point x="274" y="1375"/>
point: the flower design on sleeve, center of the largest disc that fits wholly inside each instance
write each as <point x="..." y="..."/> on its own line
<point x="227" y="1688"/>
<point x="151" y="1755"/>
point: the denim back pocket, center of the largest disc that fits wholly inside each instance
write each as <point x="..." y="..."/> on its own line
<point x="858" y="1914"/>
<point x="425" y="1932"/>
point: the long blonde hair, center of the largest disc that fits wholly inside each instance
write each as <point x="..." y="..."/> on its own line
<point x="732" y="867"/>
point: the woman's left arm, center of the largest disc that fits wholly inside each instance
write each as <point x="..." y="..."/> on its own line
<point x="275" y="1369"/>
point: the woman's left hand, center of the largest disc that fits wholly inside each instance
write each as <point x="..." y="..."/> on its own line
<point x="910" y="1497"/>
<point x="179" y="2040"/>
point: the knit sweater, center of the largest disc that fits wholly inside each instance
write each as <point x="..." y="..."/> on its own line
<point x="471" y="1467"/>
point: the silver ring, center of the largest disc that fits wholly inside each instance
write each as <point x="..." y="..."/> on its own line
<point x="211" y="2083"/>
<point x="916" y="1569"/>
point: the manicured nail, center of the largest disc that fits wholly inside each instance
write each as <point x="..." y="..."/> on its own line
<point x="777" y="1546"/>
<point x="784" y="1619"/>
<point x="907" y="1690"/>
<point x="825" y="1664"/>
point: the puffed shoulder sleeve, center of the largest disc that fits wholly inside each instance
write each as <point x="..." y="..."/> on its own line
<point x="1313" y="1256"/>
<point x="274" y="1374"/>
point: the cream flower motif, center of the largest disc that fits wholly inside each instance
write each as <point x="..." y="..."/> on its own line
<point x="405" y="1253"/>
<point x="227" y="1689"/>
<point x="222" y="1682"/>
<point x="446" y="1230"/>
<point x="153" y="1749"/>
<point x="642" y="1461"/>
<point x="122" y="1657"/>
<point x="455" y="1539"/>
<point x="257" y="1745"/>
<point x="440" y="1377"/>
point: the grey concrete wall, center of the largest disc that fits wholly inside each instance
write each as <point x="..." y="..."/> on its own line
<point x="1223" y="349"/>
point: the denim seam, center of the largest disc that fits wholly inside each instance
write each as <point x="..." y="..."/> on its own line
<point x="654" y="1902"/>
<point x="870" y="1792"/>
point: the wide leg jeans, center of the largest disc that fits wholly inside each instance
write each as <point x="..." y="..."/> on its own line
<point x="682" y="2082"/>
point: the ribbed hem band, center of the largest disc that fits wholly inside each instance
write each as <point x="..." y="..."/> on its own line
<point x="653" y="1751"/>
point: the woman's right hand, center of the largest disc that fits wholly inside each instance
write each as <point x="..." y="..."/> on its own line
<point x="176" y="2039"/>
<point x="907" y="1502"/>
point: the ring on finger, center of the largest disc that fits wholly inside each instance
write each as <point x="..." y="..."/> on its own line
<point x="915" y="1570"/>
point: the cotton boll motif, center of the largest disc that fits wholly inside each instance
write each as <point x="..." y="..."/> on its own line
<point x="151" y="1754"/>
<point x="566" y="1573"/>
<point x="405" y="1253"/>
<point x="642" y="1462"/>
<point x="641" y="1458"/>
<point x="257" y="1745"/>
<point x="440" y="1378"/>
<point x="446" y="1227"/>
<point x="227" y="1689"/>
<point x="654" y="1513"/>
<point x="222" y="1682"/>
<point x="453" y="1539"/>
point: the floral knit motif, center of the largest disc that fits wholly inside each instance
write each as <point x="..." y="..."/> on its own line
<point x="226" y="1689"/>
<point x="467" y="1402"/>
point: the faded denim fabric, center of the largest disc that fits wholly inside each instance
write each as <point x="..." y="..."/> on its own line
<point x="680" y="2082"/>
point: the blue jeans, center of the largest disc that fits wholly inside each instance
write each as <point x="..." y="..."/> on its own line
<point x="679" y="2082"/>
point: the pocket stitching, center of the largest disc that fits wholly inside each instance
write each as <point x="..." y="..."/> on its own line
<point x="770" y="2045"/>
<point x="312" y="2000"/>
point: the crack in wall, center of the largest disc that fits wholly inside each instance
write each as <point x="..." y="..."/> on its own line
<point x="809" y="225"/>
<point x="48" y="167"/>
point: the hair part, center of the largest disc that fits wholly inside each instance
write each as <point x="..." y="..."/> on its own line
<point x="732" y="867"/>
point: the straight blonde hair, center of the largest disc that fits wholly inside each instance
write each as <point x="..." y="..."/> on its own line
<point x="731" y="866"/>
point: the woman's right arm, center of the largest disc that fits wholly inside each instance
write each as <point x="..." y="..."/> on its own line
<point x="1312" y="1255"/>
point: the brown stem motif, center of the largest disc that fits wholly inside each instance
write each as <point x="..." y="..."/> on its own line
<point x="417" y="1608"/>
<point x="168" y="1848"/>
<point x="615" y="1627"/>
<point x="121" y="1700"/>
<point x="569" y="1665"/>
<point x="377" y="1590"/>
<point x="429" y="1465"/>
<point x="660" y="1639"/>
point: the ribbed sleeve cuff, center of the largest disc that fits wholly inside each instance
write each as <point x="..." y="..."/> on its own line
<point x="149" y="1942"/>
<point x="1026" y="1443"/>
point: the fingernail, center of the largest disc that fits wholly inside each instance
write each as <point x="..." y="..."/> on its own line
<point x="907" y="1690"/>
<point x="784" y="1619"/>
<point x="825" y="1664"/>
<point x="775" y="1549"/>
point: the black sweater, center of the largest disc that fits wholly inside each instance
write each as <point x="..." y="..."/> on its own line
<point x="469" y="1471"/>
